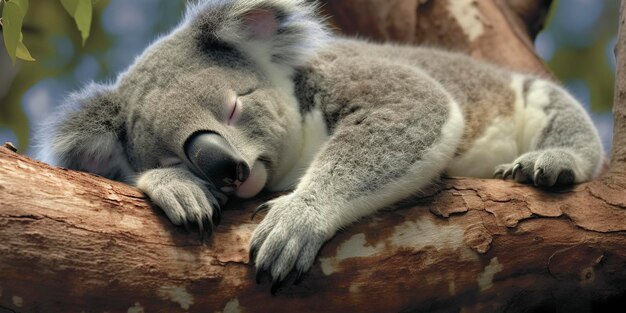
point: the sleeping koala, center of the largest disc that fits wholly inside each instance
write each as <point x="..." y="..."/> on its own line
<point x="246" y="95"/>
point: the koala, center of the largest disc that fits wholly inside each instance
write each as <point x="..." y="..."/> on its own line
<point x="251" y="95"/>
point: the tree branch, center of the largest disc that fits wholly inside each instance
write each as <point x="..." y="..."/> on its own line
<point x="72" y="240"/>
<point x="493" y="30"/>
<point x="618" y="155"/>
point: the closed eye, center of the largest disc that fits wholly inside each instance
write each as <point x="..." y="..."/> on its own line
<point x="236" y="105"/>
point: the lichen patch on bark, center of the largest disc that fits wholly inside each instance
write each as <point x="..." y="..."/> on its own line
<point x="176" y="294"/>
<point x="18" y="301"/>
<point x="354" y="247"/>
<point x="136" y="308"/>
<point x="468" y="16"/>
<point x="232" y="306"/>
<point x="485" y="279"/>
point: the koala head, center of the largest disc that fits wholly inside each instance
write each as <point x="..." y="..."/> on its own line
<point x="215" y="95"/>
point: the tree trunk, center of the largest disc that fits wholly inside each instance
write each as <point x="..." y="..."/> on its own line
<point x="618" y="155"/>
<point x="72" y="241"/>
<point x="500" y="31"/>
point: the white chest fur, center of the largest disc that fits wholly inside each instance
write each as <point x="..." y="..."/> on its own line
<point x="314" y="135"/>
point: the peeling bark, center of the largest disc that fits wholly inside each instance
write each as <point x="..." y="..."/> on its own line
<point x="72" y="241"/>
<point x="494" y="30"/>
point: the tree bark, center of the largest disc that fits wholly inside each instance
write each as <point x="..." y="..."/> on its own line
<point x="72" y="241"/>
<point x="500" y="31"/>
<point x="618" y="155"/>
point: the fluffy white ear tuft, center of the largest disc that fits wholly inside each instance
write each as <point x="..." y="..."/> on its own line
<point x="284" y="32"/>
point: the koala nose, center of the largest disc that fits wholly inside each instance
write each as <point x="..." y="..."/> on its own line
<point x="215" y="159"/>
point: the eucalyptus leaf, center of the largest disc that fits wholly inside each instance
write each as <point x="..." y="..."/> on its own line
<point x="70" y="6"/>
<point x="81" y="11"/>
<point x="22" y="52"/>
<point x="23" y="4"/>
<point x="83" y="18"/>
<point x="12" y="18"/>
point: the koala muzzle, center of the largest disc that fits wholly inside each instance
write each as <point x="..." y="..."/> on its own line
<point x="216" y="160"/>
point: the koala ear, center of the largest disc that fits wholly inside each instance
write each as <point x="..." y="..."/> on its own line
<point x="286" y="32"/>
<point x="86" y="133"/>
<point x="260" y="24"/>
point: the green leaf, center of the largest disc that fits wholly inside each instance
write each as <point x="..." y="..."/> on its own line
<point x="22" y="52"/>
<point x="12" y="17"/>
<point x="81" y="11"/>
<point x="23" y="4"/>
<point x="83" y="17"/>
<point x="70" y="6"/>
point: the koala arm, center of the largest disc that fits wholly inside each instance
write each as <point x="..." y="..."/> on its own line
<point x="401" y="128"/>
<point x="185" y="198"/>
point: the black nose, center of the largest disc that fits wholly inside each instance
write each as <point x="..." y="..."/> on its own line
<point x="215" y="159"/>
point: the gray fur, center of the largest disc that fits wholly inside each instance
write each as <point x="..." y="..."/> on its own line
<point x="393" y="119"/>
<point x="188" y="198"/>
<point x="566" y="151"/>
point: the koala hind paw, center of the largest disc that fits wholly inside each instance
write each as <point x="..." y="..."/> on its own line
<point x="548" y="168"/>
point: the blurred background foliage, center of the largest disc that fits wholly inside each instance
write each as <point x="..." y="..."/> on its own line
<point x="120" y="30"/>
<point x="577" y="44"/>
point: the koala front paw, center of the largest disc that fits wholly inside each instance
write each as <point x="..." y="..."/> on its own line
<point x="547" y="168"/>
<point x="287" y="240"/>
<point x="185" y="199"/>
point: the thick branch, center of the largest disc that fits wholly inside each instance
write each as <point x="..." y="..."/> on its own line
<point x="494" y="30"/>
<point x="618" y="156"/>
<point x="72" y="241"/>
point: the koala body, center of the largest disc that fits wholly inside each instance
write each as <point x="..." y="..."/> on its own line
<point x="246" y="95"/>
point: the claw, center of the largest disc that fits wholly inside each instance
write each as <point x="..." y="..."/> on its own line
<point x="259" y="275"/>
<point x="217" y="211"/>
<point x="201" y="230"/>
<point x="260" y="208"/>
<point x="209" y="230"/>
<point x="507" y="173"/>
<point x="498" y="174"/>
<point x="538" y="172"/>
<point x="186" y="225"/>
<point x="516" y="169"/>
<point x="275" y="286"/>
<point x="207" y="226"/>
<point x="299" y="278"/>
<point x="217" y="216"/>
<point x="252" y="255"/>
